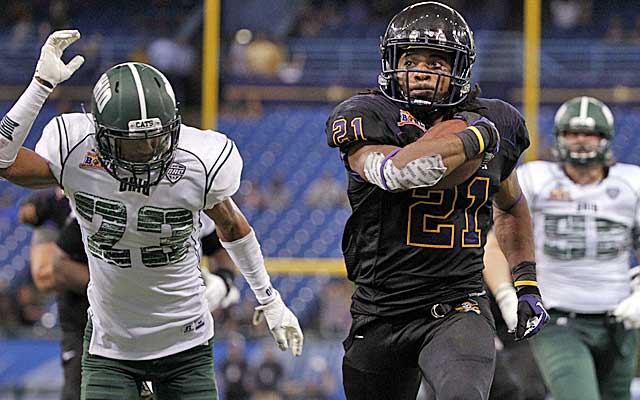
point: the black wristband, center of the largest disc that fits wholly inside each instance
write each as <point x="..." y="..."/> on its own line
<point x="524" y="274"/>
<point x="470" y="143"/>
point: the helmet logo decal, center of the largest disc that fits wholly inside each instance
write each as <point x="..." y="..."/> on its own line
<point x="102" y="92"/>
<point x="138" y="125"/>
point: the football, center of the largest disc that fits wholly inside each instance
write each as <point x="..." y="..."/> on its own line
<point x="464" y="171"/>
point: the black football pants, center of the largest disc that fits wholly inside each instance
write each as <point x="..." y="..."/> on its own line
<point x="71" y="356"/>
<point x="385" y="357"/>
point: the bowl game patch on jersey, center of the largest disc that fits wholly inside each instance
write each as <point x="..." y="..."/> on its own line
<point x="407" y="119"/>
<point x="91" y="160"/>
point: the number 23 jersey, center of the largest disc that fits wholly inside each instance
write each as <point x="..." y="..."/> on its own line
<point x="408" y="250"/>
<point x="146" y="293"/>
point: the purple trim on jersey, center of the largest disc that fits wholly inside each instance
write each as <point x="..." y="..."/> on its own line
<point x="514" y="204"/>
<point x="481" y="120"/>
<point x="384" y="181"/>
<point x="356" y="176"/>
<point x="351" y="172"/>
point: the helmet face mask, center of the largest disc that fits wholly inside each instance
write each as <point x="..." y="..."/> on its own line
<point x="137" y="123"/>
<point x="437" y="28"/>
<point x="588" y="117"/>
<point x="144" y="157"/>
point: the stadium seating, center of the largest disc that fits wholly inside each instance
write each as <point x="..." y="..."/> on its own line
<point x="288" y="142"/>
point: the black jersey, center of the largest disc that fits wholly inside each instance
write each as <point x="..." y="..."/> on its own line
<point x="408" y="250"/>
<point x="72" y="307"/>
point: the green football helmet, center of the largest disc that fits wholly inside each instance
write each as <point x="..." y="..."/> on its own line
<point x="137" y="122"/>
<point x="588" y="115"/>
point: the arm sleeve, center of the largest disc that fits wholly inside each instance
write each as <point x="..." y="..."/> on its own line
<point x="223" y="178"/>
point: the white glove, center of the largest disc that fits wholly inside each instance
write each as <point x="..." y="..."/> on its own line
<point x="508" y="302"/>
<point x="50" y="67"/>
<point x="628" y="311"/>
<point x="283" y="324"/>
<point x="219" y="294"/>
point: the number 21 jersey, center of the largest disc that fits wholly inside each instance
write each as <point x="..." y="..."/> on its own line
<point x="408" y="250"/>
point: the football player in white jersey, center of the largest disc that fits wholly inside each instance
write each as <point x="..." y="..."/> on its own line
<point x="137" y="180"/>
<point x="586" y="218"/>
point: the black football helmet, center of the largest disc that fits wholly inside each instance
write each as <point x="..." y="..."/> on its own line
<point x="435" y="26"/>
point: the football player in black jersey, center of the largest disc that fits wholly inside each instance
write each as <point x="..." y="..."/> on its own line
<point x="413" y="245"/>
<point x="48" y="211"/>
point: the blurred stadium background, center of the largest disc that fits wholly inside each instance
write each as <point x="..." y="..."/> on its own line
<point x="282" y="66"/>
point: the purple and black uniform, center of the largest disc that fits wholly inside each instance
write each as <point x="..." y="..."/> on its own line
<point x="407" y="250"/>
<point x="416" y="258"/>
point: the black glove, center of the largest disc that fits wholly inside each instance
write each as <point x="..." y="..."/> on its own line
<point x="532" y="315"/>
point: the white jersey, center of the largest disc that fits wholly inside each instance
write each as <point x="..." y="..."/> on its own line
<point x="583" y="234"/>
<point x="146" y="295"/>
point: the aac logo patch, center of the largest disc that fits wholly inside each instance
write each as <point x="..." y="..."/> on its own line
<point x="175" y="172"/>
<point x="613" y="192"/>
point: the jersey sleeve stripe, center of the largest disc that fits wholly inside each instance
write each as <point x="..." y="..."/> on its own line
<point x="224" y="154"/>
<point x="66" y="133"/>
<point x="63" y="162"/>
<point x="60" y="141"/>
<point x="226" y="157"/>
<point x="226" y="151"/>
